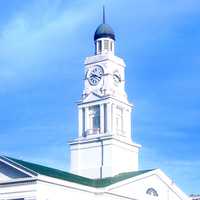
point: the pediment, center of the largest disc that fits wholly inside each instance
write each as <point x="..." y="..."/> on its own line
<point x="92" y="97"/>
<point x="151" y="185"/>
<point x="9" y="171"/>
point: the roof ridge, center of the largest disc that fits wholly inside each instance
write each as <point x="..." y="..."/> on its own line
<point x="21" y="162"/>
<point x="13" y="162"/>
<point x="67" y="176"/>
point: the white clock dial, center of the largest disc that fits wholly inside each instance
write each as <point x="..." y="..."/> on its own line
<point x="95" y="75"/>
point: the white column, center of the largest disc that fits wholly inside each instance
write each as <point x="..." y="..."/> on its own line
<point x="126" y="122"/>
<point x="114" y="119"/>
<point x="87" y="120"/>
<point x="109" y="118"/>
<point x="96" y="50"/>
<point x="113" y="47"/>
<point x="80" y="122"/>
<point x="101" y="118"/>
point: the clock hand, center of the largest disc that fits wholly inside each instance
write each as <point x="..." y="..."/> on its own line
<point x="94" y="75"/>
<point x="98" y="77"/>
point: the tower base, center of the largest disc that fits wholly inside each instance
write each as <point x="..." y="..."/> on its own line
<point x="104" y="156"/>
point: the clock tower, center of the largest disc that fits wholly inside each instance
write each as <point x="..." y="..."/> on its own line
<point x="104" y="144"/>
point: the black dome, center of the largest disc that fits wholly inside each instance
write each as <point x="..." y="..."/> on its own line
<point x="104" y="30"/>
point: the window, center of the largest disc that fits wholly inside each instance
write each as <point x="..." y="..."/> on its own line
<point x="106" y="44"/>
<point x="152" y="192"/>
<point x="99" y="45"/>
<point x="111" y="46"/>
<point x="95" y="117"/>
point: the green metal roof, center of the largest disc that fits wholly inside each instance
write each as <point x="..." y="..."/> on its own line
<point x="59" y="174"/>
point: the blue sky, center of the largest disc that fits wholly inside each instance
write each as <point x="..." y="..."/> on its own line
<point x="43" y="45"/>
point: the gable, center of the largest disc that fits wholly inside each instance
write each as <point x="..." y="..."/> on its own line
<point x="154" y="185"/>
<point x="8" y="172"/>
<point x="92" y="97"/>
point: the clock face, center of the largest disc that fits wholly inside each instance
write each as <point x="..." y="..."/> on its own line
<point x="116" y="77"/>
<point x="95" y="74"/>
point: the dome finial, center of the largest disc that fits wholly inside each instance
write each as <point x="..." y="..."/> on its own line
<point x="104" y="30"/>
<point x="104" y="17"/>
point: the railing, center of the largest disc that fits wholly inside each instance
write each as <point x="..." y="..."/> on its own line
<point x="94" y="131"/>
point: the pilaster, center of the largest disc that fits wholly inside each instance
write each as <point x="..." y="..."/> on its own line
<point x="109" y="118"/>
<point x="80" y="122"/>
<point x="101" y="118"/>
<point x="87" y="120"/>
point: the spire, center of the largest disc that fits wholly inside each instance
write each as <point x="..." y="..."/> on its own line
<point x="104" y="17"/>
<point x="104" y="30"/>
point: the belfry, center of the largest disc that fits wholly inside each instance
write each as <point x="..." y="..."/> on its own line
<point x="104" y="146"/>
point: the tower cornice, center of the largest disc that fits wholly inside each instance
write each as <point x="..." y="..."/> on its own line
<point x="104" y="57"/>
<point x="107" y="137"/>
<point x="103" y="99"/>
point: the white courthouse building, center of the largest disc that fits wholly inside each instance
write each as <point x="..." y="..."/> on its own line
<point x="104" y="158"/>
<point x="194" y="197"/>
